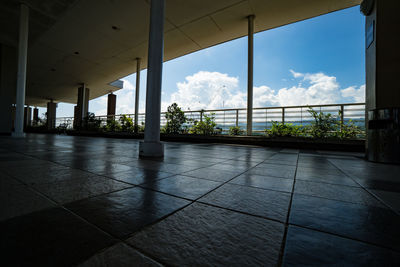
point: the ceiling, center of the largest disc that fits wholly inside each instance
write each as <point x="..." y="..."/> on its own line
<point x="97" y="42"/>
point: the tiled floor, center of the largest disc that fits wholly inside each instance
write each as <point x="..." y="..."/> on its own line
<point x="91" y="202"/>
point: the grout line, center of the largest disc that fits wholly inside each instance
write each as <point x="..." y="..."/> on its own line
<point x="283" y="244"/>
<point x="366" y="190"/>
<point x="345" y="237"/>
<point x="239" y="211"/>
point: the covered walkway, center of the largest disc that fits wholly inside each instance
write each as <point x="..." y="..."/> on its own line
<point x="91" y="201"/>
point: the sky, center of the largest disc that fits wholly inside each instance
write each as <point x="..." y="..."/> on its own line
<point x="316" y="61"/>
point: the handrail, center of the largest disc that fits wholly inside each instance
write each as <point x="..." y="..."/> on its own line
<point x="234" y="109"/>
<point x="262" y="116"/>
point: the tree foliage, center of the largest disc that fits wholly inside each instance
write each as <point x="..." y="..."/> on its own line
<point x="175" y="119"/>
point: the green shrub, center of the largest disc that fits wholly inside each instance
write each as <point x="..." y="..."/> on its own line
<point x="204" y="127"/>
<point x="91" y="123"/>
<point x="323" y="124"/>
<point x="126" y="123"/>
<point x="347" y="130"/>
<point x="112" y="126"/>
<point x="284" y="129"/>
<point x="175" y="118"/>
<point x="235" y="130"/>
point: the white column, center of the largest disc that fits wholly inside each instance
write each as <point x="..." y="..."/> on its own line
<point x="21" y="74"/>
<point x="152" y="147"/>
<point x="250" y="75"/>
<point x="137" y="93"/>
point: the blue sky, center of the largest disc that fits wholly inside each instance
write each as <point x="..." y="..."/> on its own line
<point x="316" y="61"/>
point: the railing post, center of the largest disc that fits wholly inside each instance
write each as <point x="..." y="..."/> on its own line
<point x="201" y="115"/>
<point x="301" y="115"/>
<point x="341" y="116"/>
<point x="283" y="115"/>
<point x="237" y="117"/>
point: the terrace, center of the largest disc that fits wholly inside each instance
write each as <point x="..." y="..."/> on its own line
<point x="91" y="201"/>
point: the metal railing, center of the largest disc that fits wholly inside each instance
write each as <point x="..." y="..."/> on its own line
<point x="262" y="117"/>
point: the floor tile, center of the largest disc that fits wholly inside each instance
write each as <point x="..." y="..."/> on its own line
<point x="366" y="223"/>
<point x="213" y="174"/>
<point x="201" y="235"/>
<point x="256" y="201"/>
<point x="66" y="191"/>
<point x="229" y="167"/>
<point x="336" y="192"/>
<point x="183" y="186"/>
<point x="52" y="237"/>
<point x="306" y="247"/>
<point x="108" y="168"/>
<point x="324" y="176"/>
<point x="127" y="211"/>
<point x="16" y="200"/>
<point x="265" y="182"/>
<point x="119" y="255"/>
<point x="391" y="199"/>
<point x="138" y="176"/>
<point x="275" y="171"/>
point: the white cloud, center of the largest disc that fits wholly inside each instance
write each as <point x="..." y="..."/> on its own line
<point x="128" y="85"/>
<point x="358" y="95"/>
<point x="211" y="90"/>
<point x="207" y="90"/>
<point x="214" y="90"/>
<point x="296" y="74"/>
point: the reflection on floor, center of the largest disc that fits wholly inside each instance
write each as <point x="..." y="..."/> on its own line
<point x="91" y="202"/>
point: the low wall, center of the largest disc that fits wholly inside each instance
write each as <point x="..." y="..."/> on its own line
<point x="354" y="145"/>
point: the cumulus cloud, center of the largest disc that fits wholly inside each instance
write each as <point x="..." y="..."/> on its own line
<point x="214" y="90"/>
<point x="358" y="95"/>
<point x="211" y="90"/>
<point x="207" y="90"/>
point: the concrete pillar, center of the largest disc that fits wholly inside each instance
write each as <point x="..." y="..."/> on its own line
<point x="35" y="116"/>
<point x="21" y="73"/>
<point x="13" y="111"/>
<point x="111" y="105"/>
<point x="137" y="94"/>
<point x="382" y="87"/>
<point x="75" y="123"/>
<point x="82" y="105"/>
<point x="27" y="116"/>
<point x="8" y="77"/>
<point x="250" y="56"/>
<point x="51" y="115"/>
<point x="152" y="147"/>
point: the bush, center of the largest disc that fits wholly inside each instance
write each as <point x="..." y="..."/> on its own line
<point x="91" y="122"/>
<point x="284" y="129"/>
<point x="175" y="118"/>
<point x="126" y="123"/>
<point x="112" y="126"/>
<point x="323" y="124"/>
<point x="235" y="130"/>
<point x="204" y="127"/>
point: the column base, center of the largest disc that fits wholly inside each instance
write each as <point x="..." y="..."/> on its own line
<point x="151" y="149"/>
<point x="18" y="135"/>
